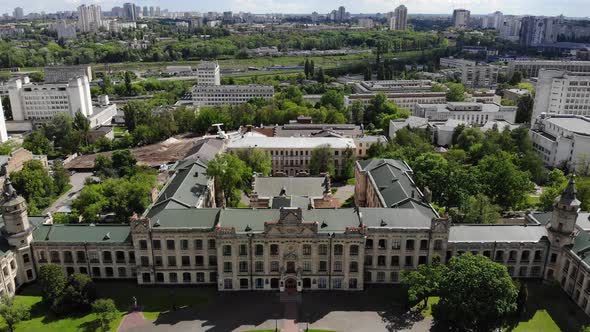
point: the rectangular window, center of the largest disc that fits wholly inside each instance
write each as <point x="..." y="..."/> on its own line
<point x="186" y="260"/>
<point x="142" y="244"/>
<point x="183" y="244"/>
<point x="227" y="267"/>
<point x="200" y="277"/>
<point x="173" y="277"/>
<point x="323" y="266"/>
<point x="322" y="282"/>
<point x="274" y="266"/>
<point x="199" y="261"/>
<point x="243" y="250"/>
<point x="211" y="244"/>
<point x="170" y="244"/>
<point x="307" y="266"/>
<point x="156" y="244"/>
<point x="259" y="266"/>
<point x="226" y="250"/>
<point x="243" y="266"/>
<point x="394" y="260"/>
<point x="171" y="260"/>
<point x="337" y="266"/>
<point x="198" y="244"/>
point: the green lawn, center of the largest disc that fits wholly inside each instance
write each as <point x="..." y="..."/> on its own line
<point x="153" y="300"/>
<point x="541" y="321"/>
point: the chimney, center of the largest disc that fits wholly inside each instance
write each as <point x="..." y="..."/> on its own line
<point x="427" y="195"/>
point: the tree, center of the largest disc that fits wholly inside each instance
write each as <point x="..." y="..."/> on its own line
<point x="124" y="162"/>
<point x="476" y="294"/>
<point x="103" y="167"/>
<point x="37" y="143"/>
<point x="322" y="160"/>
<point x="456" y="92"/>
<point x="306" y="68"/>
<point x="348" y="163"/>
<point x="357" y="111"/>
<point x="469" y="137"/>
<point x="82" y="125"/>
<point x="35" y="184"/>
<point x="53" y="282"/>
<point x="321" y="77"/>
<point x="136" y="113"/>
<point x="524" y="110"/>
<point x="106" y="311"/>
<point x="230" y="174"/>
<point x="7" y="107"/>
<point x="423" y="282"/>
<point x="480" y="210"/>
<point x="516" y="78"/>
<point x="59" y="129"/>
<point x="13" y="313"/>
<point x="79" y="294"/>
<point x="502" y="181"/>
<point x="61" y="177"/>
<point x="128" y="85"/>
<point x="311" y="68"/>
<point x="257" y="159"/>
<point x="333" y="98"/>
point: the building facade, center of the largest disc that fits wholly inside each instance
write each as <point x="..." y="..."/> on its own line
<point x="394" y="229"/>
<point x="471" y="73"/>
<point x="208" y="73"/>
<point x="218" y="95"/>
<point x="461" y="18"/>
<point x="562" y="140"/>
<point x="531" y="68"/>
<point x="41" y="102"/>
<point x="559" y="92"/>
<point x="472" y="113"/>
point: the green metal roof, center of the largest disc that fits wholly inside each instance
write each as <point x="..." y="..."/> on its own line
<point x="333" y="220"/>
<point x="185" y="218"/>
<point x="240" y="218"/>
<point x="75" y="233"/>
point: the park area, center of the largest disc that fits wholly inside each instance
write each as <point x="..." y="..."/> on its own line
<point x="205" y="309"/>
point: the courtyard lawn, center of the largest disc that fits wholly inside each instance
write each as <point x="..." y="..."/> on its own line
<point x="541" y="321"/>
<point x="42" y="321"/>
<point x="152" y="300"/>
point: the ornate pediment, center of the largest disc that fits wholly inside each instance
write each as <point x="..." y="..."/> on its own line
<point x="139" y="225"/>
<point x="291" y="216"/>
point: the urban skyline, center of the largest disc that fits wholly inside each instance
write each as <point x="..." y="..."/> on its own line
<point x="575" y="8"/>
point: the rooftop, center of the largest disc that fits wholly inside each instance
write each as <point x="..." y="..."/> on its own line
<point x="291" y="142"/>
<point x="496" y="233"/>
<point x="80" y="233"/>
<point x="577" y="124"/>
<point x="298" y="186"/>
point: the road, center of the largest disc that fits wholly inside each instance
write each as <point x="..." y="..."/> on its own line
<point x="64" y="202"/>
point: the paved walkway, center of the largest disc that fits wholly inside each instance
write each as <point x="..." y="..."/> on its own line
<point x="132" y="320"/>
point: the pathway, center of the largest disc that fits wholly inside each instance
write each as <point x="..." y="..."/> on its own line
<point x="132" y="320"/>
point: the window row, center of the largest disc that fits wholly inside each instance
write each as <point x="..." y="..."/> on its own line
<point x="81" y="256"/>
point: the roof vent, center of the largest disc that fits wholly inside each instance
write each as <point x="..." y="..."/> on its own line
<point x="248" y="228"/>
<point x="324" y="225"/>
<point x="107" y="236"/>
<point x="157" y="223"/>
<point x="383" y="223"/>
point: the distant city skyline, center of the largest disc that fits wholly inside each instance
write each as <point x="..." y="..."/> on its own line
<point x="571" y="8"/>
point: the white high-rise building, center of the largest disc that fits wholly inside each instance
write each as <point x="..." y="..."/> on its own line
<point x="208" y="73"/>
<point x="152" y="11"/>
<point x="89" y="18"/>
<point x="461" y="18"/>
<point x="560" y="92"/>
<point x="401" y="18"/>
<point x="42" y="101"/>
<point x="19" y="13"/>
<point x="3" y="132"/>
<point x="493" y="21"/>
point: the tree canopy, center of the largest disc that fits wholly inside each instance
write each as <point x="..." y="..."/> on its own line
<point x="476" y="294"/>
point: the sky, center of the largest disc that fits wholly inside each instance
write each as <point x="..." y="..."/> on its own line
<point x="572" y="8"/>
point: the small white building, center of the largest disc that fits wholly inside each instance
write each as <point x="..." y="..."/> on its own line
<point x="472" y="113"/>
<point x="562" y="140"/>
<point x="560" y="92"/>
<point x="3" y="132"/>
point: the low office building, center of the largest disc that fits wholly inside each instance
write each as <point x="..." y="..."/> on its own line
<point x="515" y="94"/>
<point x="559" y="92"/>
<point x="291" y="155"/>
<point x="531" y="68"/>
<point x="562" y="140"/>
<point x="407" y="100"/>
<point x="392" y="86"/>
<point x="472" y="113"/>
<point x="63" y="74"/>
<point x="218" y="95"/>
<point x="470" y="73"/>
